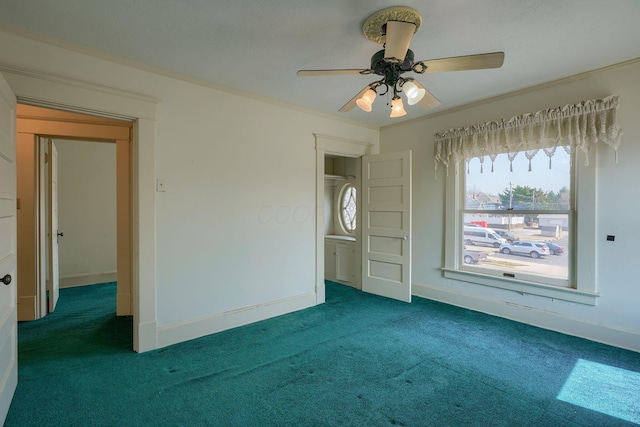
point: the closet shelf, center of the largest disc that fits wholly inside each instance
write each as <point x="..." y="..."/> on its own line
<point x="335" y="177"/>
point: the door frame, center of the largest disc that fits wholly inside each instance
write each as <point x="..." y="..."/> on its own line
<point x="52" y="279"/>
<point x="333" y="145"/>
<point x="35" y="124"/>
<point x="46" y="90"/>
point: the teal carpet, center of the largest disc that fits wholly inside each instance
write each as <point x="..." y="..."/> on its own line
<point x="358" y="360"/>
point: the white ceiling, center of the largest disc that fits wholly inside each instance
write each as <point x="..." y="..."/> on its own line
<point x="257" y="46"/>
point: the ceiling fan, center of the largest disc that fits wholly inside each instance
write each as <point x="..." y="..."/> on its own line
<point x="394" y="28"/>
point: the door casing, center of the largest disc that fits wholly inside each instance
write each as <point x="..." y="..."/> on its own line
<point x="32" y="124"/>
<point x="72" y="94"/>
<point x="326" y="144"/>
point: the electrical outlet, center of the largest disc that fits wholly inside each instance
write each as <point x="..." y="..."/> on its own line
<point x="160" y="185"/>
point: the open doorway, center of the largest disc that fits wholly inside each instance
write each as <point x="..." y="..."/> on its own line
<point x="37" y="127"/>
<point x="87" y="221"/>
<point x="383" y="239"/>
<point x="85" y="97"/>
<point x="341" y="209"/>
<point x="331" y="147"/>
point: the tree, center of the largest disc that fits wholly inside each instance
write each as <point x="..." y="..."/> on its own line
<point x="526" y="198"/>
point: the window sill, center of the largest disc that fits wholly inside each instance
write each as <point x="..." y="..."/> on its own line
<point x="523" y="287"/>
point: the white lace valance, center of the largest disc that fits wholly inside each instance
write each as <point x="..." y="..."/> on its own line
<point x="581" y="126"/>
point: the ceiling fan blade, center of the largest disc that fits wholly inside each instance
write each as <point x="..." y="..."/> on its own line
<point x="469" y="62"/>
<point x="303" y="73"/>
<point x="428" y="101"/>
<point x="397" y="39"/>
<point x="352" y="103"/>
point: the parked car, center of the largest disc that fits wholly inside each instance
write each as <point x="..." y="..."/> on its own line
<point x="473" y="257"/>
<point x="554" y="249"/>
<point x="508" y="236"/>
<point x="482" y="236"/>
<point x="533" y="249"/>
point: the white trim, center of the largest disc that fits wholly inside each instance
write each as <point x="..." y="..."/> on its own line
<point x="594" y="331"/>
<point x="342" y="146"/>
<point x="327" y="144"/>
<point x="77" y="83"/>
<point x="523" y="286"/>
<point x="582" y="268"/>
<point x="85" y="279"/>
<point x="179" y="332"/>
<point x="85" y="97"/>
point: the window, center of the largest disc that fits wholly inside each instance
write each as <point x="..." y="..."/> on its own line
<point x="532" y="207"/>
<point x="348" y="208"/>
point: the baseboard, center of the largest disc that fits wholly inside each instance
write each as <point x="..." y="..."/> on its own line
<point x="599" y="332"/>
<point x="175" y="333"/>
<point x="88" y="279"/>
<point x="145" y="337"/>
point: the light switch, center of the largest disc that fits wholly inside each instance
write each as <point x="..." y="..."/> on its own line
<point x="160" y="185"/>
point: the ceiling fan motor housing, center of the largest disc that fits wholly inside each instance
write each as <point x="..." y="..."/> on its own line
<point x="391" y="70"/>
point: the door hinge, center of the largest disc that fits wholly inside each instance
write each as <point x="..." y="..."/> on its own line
<point x="17" y="203"/>
<point x="46" y="158"/>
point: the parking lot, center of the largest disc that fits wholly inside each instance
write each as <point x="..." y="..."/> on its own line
<point x="549" y="265"/>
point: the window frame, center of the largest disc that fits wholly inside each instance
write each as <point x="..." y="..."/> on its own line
<point x="582" y="286"/>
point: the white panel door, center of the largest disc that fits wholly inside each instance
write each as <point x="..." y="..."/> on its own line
<point x="386" y="230"/>
<point x="8" y="230"/>
<point x="53" y="282"/>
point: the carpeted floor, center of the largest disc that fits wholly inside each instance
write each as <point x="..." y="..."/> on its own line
<point x="358" y="360"/>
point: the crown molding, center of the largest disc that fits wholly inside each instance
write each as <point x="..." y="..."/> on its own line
<point x="83" y="84"/>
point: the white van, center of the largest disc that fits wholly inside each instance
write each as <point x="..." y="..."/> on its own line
<point x="482" y="236"/>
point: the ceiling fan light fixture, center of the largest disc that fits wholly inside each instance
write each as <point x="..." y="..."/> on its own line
<point x="413" y="93"/>
<point x="397" y="108"/>
<point x="394" y="28"/>
<point x="366" y="100"/>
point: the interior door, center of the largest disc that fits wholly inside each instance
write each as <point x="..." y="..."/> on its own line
<point x="8" y="230"/>
<point x="53" y="282"/>
<point x="386" y="231"/>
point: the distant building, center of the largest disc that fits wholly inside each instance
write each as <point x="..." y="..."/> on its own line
<point x="483" y="201"/>
<point x="553" y="220"/>
<point x="490" y="202"/>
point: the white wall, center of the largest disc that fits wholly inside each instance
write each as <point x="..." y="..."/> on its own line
<point x="87" y="212"/>
<point x="615" y="319"/>
<point x="235" y="229"/>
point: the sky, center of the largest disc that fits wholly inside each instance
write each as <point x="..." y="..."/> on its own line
<point x="540" y="176"/>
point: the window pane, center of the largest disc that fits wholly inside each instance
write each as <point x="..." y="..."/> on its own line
<point x="535" y="244"/>
<point x="539" y="189"/>
<point x="349" y="208"/>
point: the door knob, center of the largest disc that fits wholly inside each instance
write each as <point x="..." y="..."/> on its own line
<point x="61" y="234"/>
<point x="6" y="279"/>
